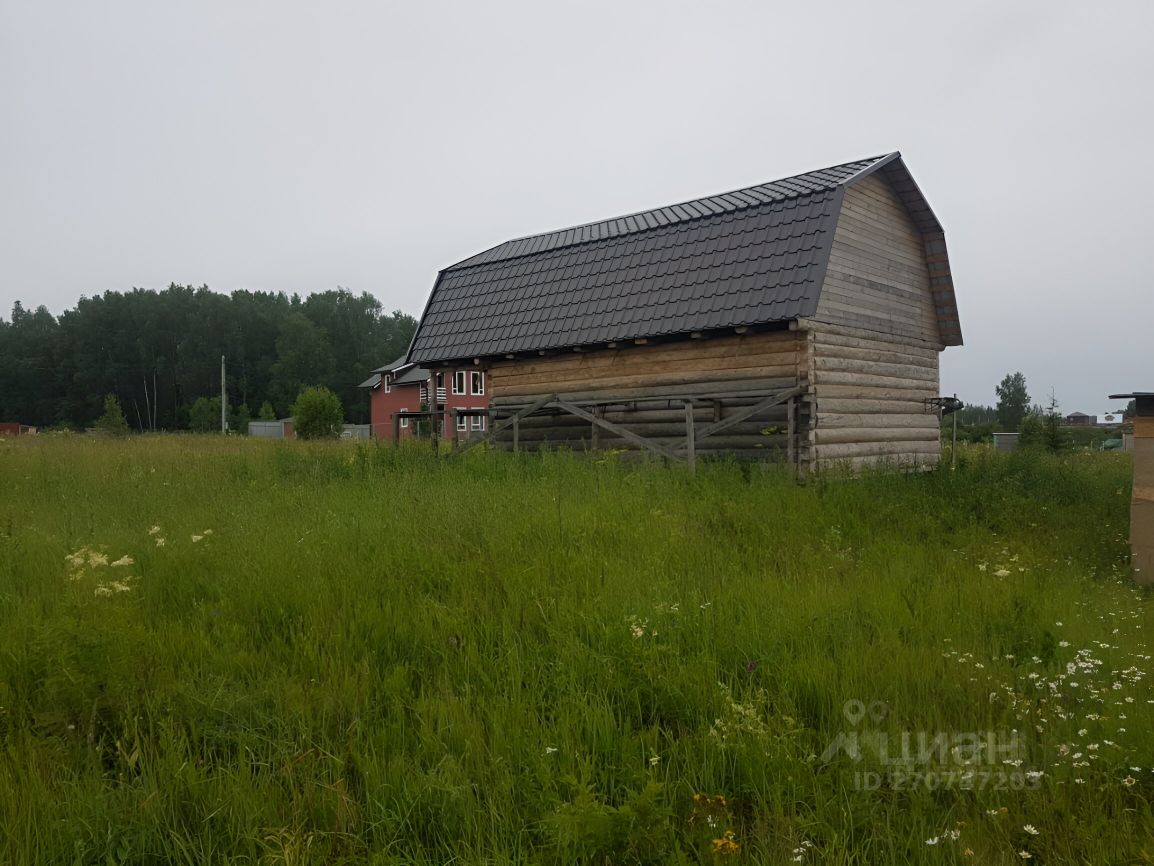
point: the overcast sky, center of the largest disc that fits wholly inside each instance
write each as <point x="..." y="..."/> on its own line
<point x="299" y="146"/>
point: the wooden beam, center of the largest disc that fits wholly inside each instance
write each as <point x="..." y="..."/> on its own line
<point x="790" y="422"/>
<point x="513" y="422"/>
<point x="690" y="441"/>
<point x="617" y="430"/>
<point x="747" y="412"/>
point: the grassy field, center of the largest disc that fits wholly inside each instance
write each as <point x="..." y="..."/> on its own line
<point x="240" y="651"/>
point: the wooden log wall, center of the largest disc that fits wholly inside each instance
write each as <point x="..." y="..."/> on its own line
<point x="874" y="339"/>
<point x="877" y="278"/>
<point x="705" y="368"/>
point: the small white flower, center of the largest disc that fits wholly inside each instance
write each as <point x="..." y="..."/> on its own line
<point x="197" y="538"/>
<point x="154" y="530"/>
<point x="549" y="750"/>
<point x="1129" y="781"/>
<point x="123" y="561"/>
<point x="1025" y="855"/>
<point x="933" y="841"/>
<point x="1031" y="829"/>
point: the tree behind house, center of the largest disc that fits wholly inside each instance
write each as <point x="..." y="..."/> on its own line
<point x="1013" y="401"/>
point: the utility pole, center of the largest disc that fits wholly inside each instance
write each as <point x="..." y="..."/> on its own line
<point x="223" y="400"/>
<point x="954" y="447"/>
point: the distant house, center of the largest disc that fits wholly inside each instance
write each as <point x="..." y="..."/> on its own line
<point x="401" y="387"/>
<point x="282" y="428"/>
<point x="800" y="319"/>
<point x="11" y="428"/>
<point x="1109" y="421"/>
<point x="1080" y="419"/>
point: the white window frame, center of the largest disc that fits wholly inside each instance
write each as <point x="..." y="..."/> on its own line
<point x="480" y="374"/>
<point x="478" y="421"/>
<point x="462" y="422"/>
<point x="459" y="376"/>
<point x="404" y="421"/>
<point x="388" y="385"/>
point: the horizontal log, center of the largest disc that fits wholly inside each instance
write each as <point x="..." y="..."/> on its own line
<point x="849" y="329"/>
<point x="711" y="347"/>
<point x="838" y="344"/>
<point x="830" y="420"/>
<point x="905" y="391"/>
<point x="864" y="435"/>
<point x="624" y="376"/>
<point x="880" y="355"/>
<point x="836" y="377"/>
<point x="928" y="373"/>
<point x="879" y="324"/>
<point x="679" y="387"/>
<point x="874" y="449"/>
<point x="860" y="407"/>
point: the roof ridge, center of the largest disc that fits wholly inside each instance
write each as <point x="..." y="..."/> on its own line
<point x="870" y="164"/>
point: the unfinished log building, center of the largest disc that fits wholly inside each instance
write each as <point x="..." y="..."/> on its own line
<point x="800" y="319"/>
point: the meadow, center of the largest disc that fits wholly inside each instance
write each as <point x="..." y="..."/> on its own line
<point x="234" y="651"/>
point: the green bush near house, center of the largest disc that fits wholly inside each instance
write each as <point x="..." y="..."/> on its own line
<point x="317" y="414"/>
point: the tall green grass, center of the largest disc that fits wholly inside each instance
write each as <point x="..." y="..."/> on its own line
<point x="376" y="656"/>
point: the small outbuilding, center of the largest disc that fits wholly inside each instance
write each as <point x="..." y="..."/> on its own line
<point x="800" y="319"/>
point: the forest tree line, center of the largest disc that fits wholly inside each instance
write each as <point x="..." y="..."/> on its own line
<point x="158" y="352"/>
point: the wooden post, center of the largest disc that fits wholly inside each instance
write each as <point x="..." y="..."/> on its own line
<point x="516" y="432"/>
<point x="432" y="404"/>
<point x="453" y="416"/>
<point x="396" y="429"/>
<point x="1142" y="497"/>
<point x="690" y="441"/>
<point x="790" y="423"/>
<point x="595" y="434"/>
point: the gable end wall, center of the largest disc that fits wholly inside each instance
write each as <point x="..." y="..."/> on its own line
<point x="875" y="339"/>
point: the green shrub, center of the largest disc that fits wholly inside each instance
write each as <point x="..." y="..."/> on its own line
<point x="204" y="416"/>
<point x="1032" y="432"/>
<point x="112" y="421"/>
<point x="317" y="414"/>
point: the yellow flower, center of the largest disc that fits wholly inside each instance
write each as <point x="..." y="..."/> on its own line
<point x="726" y="844"/>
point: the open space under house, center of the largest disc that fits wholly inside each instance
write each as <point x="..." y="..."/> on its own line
<point x="799" y="320"/>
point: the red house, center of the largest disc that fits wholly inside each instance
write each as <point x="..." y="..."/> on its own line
<point x="404" y="387"/>
<point x="11" y="428"/>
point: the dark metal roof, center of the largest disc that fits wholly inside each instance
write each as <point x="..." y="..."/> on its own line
<point x="390" y="367"/>
<point x="751" y="256"/>
<point x="410" y="373"/>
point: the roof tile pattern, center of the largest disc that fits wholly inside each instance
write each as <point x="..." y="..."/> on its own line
<point x="752" y="256"/>
<point x="726" y="270"/>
